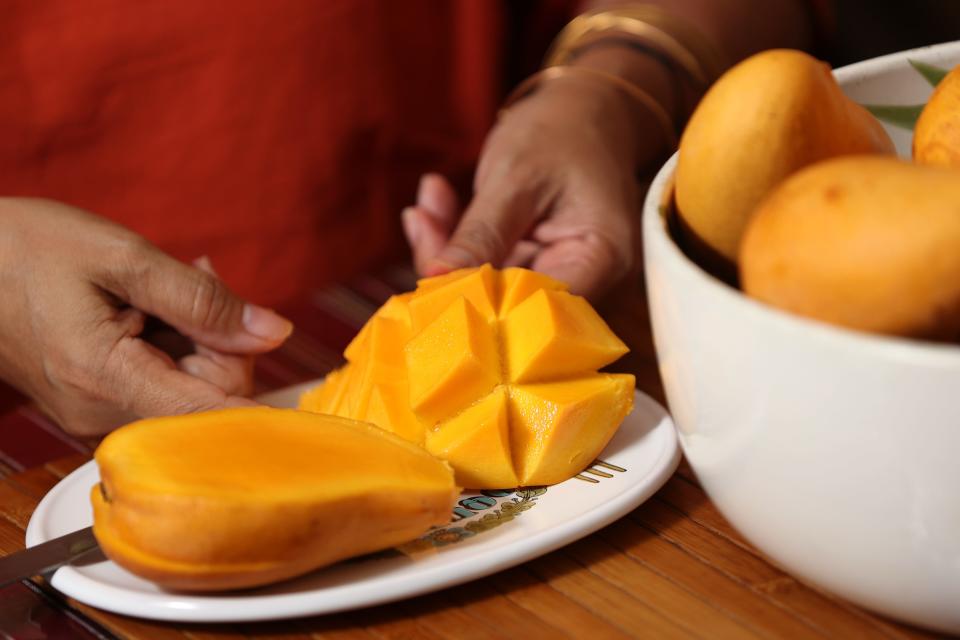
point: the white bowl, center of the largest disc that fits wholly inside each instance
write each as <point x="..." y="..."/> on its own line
<point x="836" y="453"/>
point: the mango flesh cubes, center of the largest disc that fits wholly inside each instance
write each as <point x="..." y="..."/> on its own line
<point x="243" y="497"/>
<point x="493" y="371"/>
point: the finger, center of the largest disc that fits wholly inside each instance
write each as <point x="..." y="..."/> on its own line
<point x="148" y="384"/>
<point x="426" y="237"/>
<point x="203" y="263"/>
<point x="231" y="379"/>
<point x="428" y="224"/>
<point x="239" y="401"/>
<point x="140" y="388"/>
<point x="588" y="264"/>
<point x="493" y="223"/>
<point x="437" y="198"/>
<point x="195" y="303"/>
<point x="130" y="321"/>
<point x="522" y="254"/>
<point x="233" y="374"/>
<point x="591" y="253"/>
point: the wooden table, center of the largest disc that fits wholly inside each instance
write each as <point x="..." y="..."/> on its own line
<point x="672" y="568"/>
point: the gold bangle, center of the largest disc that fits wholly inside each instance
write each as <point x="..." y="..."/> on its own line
<point x="692" y="51"/>
<point x="639" y="95"/>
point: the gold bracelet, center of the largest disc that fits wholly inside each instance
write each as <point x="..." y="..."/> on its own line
<point x="642" y="97"/>
<point x="693" y="52"/>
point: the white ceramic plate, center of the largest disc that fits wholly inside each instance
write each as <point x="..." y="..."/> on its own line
<point x="491" y="531"/>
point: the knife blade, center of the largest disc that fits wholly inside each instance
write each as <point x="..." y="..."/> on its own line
<point x="46" y="556"/>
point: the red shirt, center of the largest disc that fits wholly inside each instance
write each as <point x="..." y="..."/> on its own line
<point x="279" y="137"/>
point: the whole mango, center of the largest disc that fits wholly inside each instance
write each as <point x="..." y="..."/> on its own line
<point x="493" y="371"/>
<point x="864" y="242"/>
<point x="767" y="117"/>
<point x="936" y="135"/>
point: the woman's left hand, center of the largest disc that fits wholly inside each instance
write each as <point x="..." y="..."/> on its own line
<point x="555" y="190"/>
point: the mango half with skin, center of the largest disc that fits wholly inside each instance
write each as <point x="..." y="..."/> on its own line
<point x="493" y="371"/>
<point x="244" y="497"/>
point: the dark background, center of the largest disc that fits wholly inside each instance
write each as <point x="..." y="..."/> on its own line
<point x="860" y="29"/>
<point x="869" y="28"/>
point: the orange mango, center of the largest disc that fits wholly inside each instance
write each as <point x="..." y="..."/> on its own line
<point x="936" y="136"/>
<point x="243" y="497"/>
<point x="764" y="119"/>
<point x="867" y="243"/>
<point x="498" y="376"/>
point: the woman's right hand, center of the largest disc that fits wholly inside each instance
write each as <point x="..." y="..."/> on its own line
<point x="76" y="290"/>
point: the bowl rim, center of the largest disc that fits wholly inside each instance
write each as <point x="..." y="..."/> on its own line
<point x="656" y="232"/>
<point x="857" y="70"/>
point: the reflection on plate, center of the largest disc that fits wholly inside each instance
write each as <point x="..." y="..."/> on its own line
<point x="489" y="531"/>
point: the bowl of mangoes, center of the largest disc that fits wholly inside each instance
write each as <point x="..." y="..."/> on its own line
<point x="802" y="254"/>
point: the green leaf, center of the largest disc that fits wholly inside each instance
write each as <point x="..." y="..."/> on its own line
<point x="931" y="74"/>
<point x="903" y="116"/>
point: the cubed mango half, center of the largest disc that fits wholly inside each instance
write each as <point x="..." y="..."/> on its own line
<point x="498" y="376"/>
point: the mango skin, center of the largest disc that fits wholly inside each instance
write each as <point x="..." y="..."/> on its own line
<point x="245" y="497"/>
<point x="936" y="135"/>
<point x="764" y="119"/>
<point x="863" y="242"/>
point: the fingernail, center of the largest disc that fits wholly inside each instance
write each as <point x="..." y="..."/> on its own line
<point x="265" y="323"/>
<point x="436" y="268"/>
<point x="191" y="367"/>
<point x="411" y="225"/>
<point x="203" y="263"/>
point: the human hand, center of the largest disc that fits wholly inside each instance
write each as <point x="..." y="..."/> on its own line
<point x="555" y="190"/>
<point x="77" y="290"/>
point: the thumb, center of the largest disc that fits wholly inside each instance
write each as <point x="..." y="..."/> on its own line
<point x="493" y="223"/>
<point x="195" y="303"/>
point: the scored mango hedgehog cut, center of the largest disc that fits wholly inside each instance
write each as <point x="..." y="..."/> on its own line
<point x="493" y="371"/>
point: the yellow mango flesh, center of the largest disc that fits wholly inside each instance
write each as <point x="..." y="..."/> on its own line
<point x="394" y="309"/>
<point x="477" y="443"/>
<point x="569" y="337"/>
<point x="553" y="422"/>
<point x="454" y="361"/>
<point x="519" y="284"/>
<point x="867" y="243"/>
<point x="936" y="136"/>
<point x="327" y="397"/>
<point x="476" y="286"/>
<point x="764" y="119"/>
<point x="389" y="404"/>
<point x="243" y="497"/>
<point x="477" y="342"/>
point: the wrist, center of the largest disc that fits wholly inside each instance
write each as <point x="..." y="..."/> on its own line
<point x="641" y="70"/>
<point x="629" y="122"/>
<point x="649" y="74"/>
